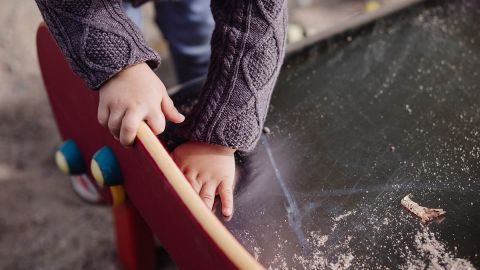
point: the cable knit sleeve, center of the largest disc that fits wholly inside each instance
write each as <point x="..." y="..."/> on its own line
<point x="96" y="37"/>
<point x="248" y="46"/>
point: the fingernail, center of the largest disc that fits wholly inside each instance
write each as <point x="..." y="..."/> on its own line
<point x="227" y="211"/>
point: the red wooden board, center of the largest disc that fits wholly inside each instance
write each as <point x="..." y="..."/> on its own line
<point x="75" y="110"/>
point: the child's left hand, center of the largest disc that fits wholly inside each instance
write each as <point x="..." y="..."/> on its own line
<point x="210" y="169"/>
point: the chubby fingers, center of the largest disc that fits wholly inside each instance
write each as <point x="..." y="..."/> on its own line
<point x="103" y="114"/>
<point x="225" y="190"/>
<point x="130" y="123"/>
<point x="156" y="121"/>
<point x="192" y="179"/>
<point x="115" y="122"/>
<point x="207" y="194"/>
<point x="169" y="110"/>
<point x="124" y="126"/>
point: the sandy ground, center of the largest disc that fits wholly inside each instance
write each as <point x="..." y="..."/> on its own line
<point x="43" y="225"/>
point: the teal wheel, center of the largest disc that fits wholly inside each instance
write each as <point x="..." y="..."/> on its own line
<point x="105" y="168"/>
<point x="68" y="158"/>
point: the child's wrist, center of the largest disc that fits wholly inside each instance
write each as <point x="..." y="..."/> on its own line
<point x="135" y="68"/>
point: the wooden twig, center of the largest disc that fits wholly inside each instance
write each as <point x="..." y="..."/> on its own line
<point x="425" y="214"/>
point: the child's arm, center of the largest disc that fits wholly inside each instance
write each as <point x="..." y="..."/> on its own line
<point x="109" y="53"/>
<point x="248" y="47"/>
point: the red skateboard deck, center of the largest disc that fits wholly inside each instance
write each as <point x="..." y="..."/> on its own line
<point x="191" y="234"/>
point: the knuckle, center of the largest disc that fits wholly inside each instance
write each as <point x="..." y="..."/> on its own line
<point x="227" y="190"/>
<point x="207" y="197"/>
<point x="116" y="103"/>
<point x="226" y="181"/>
<point x="128" y="128"/>
<point x="169" y="102"/>
<point x="172" y="109"/>
<point x="101" y="120"/>
<point x="112" y="127"/>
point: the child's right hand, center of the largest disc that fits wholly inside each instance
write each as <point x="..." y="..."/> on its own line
<point x="135" y="94"/>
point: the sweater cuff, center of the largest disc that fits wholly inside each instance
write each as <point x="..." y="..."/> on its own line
<point x="151" y="59"/>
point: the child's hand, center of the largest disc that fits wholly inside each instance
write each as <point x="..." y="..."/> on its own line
<point x="210" y="169"/>
<point x="133" y="95"/>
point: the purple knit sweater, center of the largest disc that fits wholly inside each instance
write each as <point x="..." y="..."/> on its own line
<point x="248" y="46"/>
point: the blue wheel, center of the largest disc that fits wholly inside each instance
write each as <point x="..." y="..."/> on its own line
<point x="68" y="159"/>
<point x="105" y="168"/>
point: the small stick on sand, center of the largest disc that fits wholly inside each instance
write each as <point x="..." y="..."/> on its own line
<point x="424" y="213"/>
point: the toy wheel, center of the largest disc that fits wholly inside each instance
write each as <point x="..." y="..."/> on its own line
<point x="106" y="171"/>
<point x="68" y="159"/>
<point x="105" y="168"/>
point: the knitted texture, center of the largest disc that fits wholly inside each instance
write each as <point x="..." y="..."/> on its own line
<point x="96" y="37"/>
<point x="248" y="46"/>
